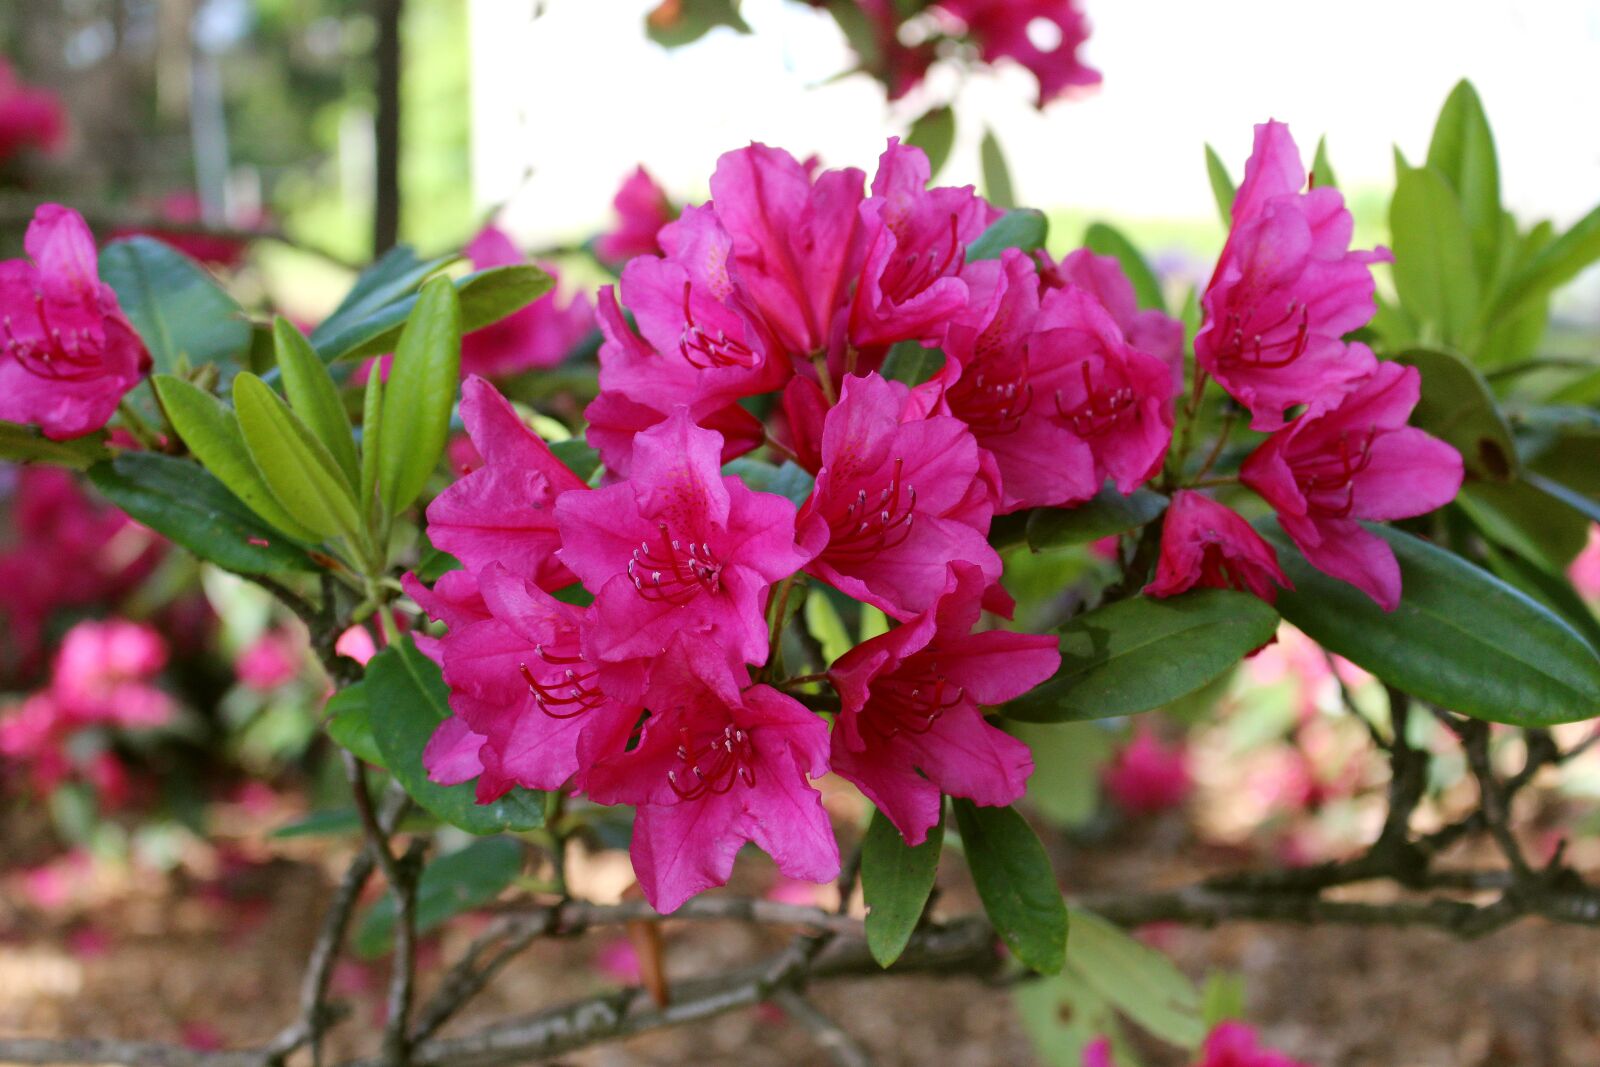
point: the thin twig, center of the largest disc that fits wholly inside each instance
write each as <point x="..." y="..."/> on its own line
<point x="841" y="1048"/>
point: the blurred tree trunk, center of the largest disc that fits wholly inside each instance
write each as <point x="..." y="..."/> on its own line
<point x="386" y="210"/>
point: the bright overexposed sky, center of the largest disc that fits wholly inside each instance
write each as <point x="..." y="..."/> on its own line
<point x="567" y="103"/>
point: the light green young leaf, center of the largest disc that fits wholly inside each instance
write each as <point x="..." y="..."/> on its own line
<point x="313" y="396"/>
<point x="418" y="398"/>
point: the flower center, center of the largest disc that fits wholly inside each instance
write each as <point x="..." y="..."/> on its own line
<point x="705" y="352"/>
<point x="990" y="403"/>
<point x="60" y="356"/>
<point x="910" y="702"/>
<point x="870" y="524"/>
<point x="562" y="689"/>
<point x="1252" y="349"/>
<point x="714" y="765"/>
<point x="913" y="272"/>
<point x="1101" y="409"/>
<point x="1328" y="480"/>
<point x="673" y="571"/>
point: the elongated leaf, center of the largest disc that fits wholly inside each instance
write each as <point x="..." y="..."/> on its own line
<point x="934" y="132"/>
<point x="1322" y="176"/>
<point x="296" y="467"/>
<point x="419" y="396"/>
<point x="314" y="397"/>
<point x="1433" y="271"/>
<point x="825" y="624"/>
<point x="407" y="699"/>
<point x="996" y="175"/>
<point x="1067" y="757"/>
<point x="1458" y="407"/>
<point x="1015" y="883"/>
<point x="211" y="431"/>
<point x="183" y="316"/>
<point x="1106" y="513"/>
<point x="1462" y="151"/>
<point x="1583" y="505"/>
<point x="349" y="723"/>
<point x="1139" y="981"/>
<point x="1524" y="518"/>
<point x="329" y="823"/>
<point x="1142" y="653"/>
<point x="1221" y="185"/>
<point x="911" y="363"/>
<point x="1554" y="591"/>
<point x="393" y="277"/>
<point x="450" y="885"/>
<point x="181" y="501"/>
<point x="1461" y="638"/>
<point x="486" y="297"/>
<point x="579" y="458"/>
<point x="1023" y="228"/>
<point x="1108" y="241"/>
<point x="896" y="880"/>
<point x="684" y="21"/>
<point x="25" y="444"/>
<point x="371" y="434"/>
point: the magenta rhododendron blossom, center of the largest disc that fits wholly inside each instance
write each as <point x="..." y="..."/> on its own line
<point x="1358" y="461"/>
<point x="897" y="497"/>
<point x="505" y="510"/>
<point x="678" y="548"/>
<point x="184" y="209"/>
<point x="720" y="762"/>
<point x="67" y="352"/>
<point x="1207" y="544"/>
<point x="540" y="335"/>
<point x="1150" y="330"/>
<point x="911" y="730"/>
<point x="642" y="209"/>
<point x="1011" y="29"/>
<point x="30" y="117"/>
<point x="1148" y="776"/>
<point x="103" y="672"/>
<point x="1286" y="290"/>
<point x="1234" y="1044"/>
<point x="271" y="660"/>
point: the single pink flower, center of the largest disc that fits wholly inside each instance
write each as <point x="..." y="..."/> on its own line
<point x="356" y="643"/>
<point x="677" y="548"/>
<point x="642" y="209"/>
<point x="1042" y="35"/>
<point x="1360" y="460"/>
<point x="618" y="961"/>
<point x="720" y="762"/>
<point x="1097" y="1053"/>
<point x="1286" y="290"/>
<point x="1151" y="331"/>
<point x="68" y="353"/>
<point x="910" y="729"/>
<point x="503" y="512"/>
<point x="1585" y="570"/>
<point x="540" y="335"/>
<point x="916" y="246"/>
<point x="1234" y="1044"/>
<point x="102" y="671"/>
<point x="897" y="498"/>
<point x="272" y="660"/>
<point x="1206" y="544"/>
<point x="1148" y="776"/>
<point x="30" y="117"/>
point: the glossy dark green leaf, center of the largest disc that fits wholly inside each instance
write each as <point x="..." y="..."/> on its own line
<point x="997" y="187"/>
<point x="329" y="823"/>
<point x="1462" y="151"/>
<point x="392" y="278"/>
<point x="1222" y="188"/>
<point x="419" y="396"/>
<point x="578" y="457"/>
<point x="1108" y="241"/>
<point x="184" y="317"/>
<point x="1584" y="505"/>
<point x="1459" y="408"/>
<point x="452" y="884"/>
<point x="349" y="723"/>
<point x="1553" y="590"/>
<point x="1016" y="884"/>
<point x="297" y="467"/>
<point x="313" y="396"/>
<point x="790" y="481"/>
<point x="1461" y="638"/>
<point x="934" y="132"/>
<point x="1433" y="267"/>
<point x="1143" y="653"/>
<point x="911" y="363"/>
<point x="1103" y="515"/>
<point x="25" y="444"/>
<point x="185" y="503"/>
<point x="486" y="297"/>
<point x="1524" y="518"/>
<point x="896" y="880"/>
<point x="408" y="700"/>
<point x="1023" y="228"/>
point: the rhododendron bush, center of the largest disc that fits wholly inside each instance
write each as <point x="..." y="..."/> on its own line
<point x="849" y="521"/>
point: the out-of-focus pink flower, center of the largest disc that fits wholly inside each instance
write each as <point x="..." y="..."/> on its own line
<point x="642" y="209"/>
<point x="1206" y="544"/>
<point x="1585" y="570"/>
<point x="67" y="352"/>
<point x="618" y="960"/>
<point x="102" y="673"/>
<point x="53" y="885"/>
<point x="540" y="335"/>
<point x="30" y="117"/>
<point x="1097" y="1053"/>
<point x="356" y="643"/>
<point x="1042" y="35"/>
<point x="1235" y="1044"/>
<point x="272" y="660"/>
<point x="214" y="250"/>
<point x="90" y="942"/>
<point x="202" y="1036"/>
<point x="1148" y="776"/>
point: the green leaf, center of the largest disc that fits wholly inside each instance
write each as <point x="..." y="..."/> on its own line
<point x="487" y="296"/>
<point x="349" y="723"/>
<point x="1459" y="408"/>
<point x="183" y="316"/>
<point x="393" y="277"/>
<point x="996" y="175"/>
<point x="934" y="132"/>
<point x="790" y="481"/>
<point x="1107" y="241"/>
<point x="211" y="431"/>
<point x="314" y="397"/>
<point x="1062" y="1015"/>
<point x="911" y="363"/>
<point x="1322" y="175"/>
<point x="452" y="884"/>
<point x="1552" y="267"/>
<point x="1433" y="270"/>
<point x="1554" y="591"/>
<point x="181" y="501"/>
<point x="1527" y="520"/>
<point x="332" y="822"/>
<point x="408" y="701"/>
<point x="1462" y="152"/>
<point x="579" y="458"/>
<point x="1136" y="979"/>
<point x="371" y="436"/>
<point x="896" y="880"/>
<point x="1461" y="638"/>
<point x="1067" y="757"/>
<point x="1222" y="998"/>
<point x="1584" y="505"/>
<point x="1142" y="653"/>
<point x="1023" y="228"/>
<point x="1221" y="185"/>
<point x="418" y="398"/>
<point x="683" y="21"/>
<point x="1015" y="883"/>
<point x="25" y="444"/>
<point x="1106" y="513"/>
<point x="825" y="624"/>
<point x="303" y="477"/>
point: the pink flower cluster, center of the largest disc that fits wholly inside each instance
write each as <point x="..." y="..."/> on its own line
<point x="101" y="679"/>
<point x="1229" y="1044"/>
<point x="1285" y="292"/>
<point x="30" y="117"/>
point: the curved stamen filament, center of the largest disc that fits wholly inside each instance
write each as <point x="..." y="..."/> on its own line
<point x="566" y="692"/>
<point x="868" y="525"/>
<point x="919" y="270"/>
<point x="910" y="704"/>
<point x="1100" y="411"/>
<point x="673" y="571"/>
<point x="715" y="765"/>
<point x="59" y="356"/>
<point x="1328" y="483"/>
<point x="1255" y="351"/>
<point x="704" y="352"/>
